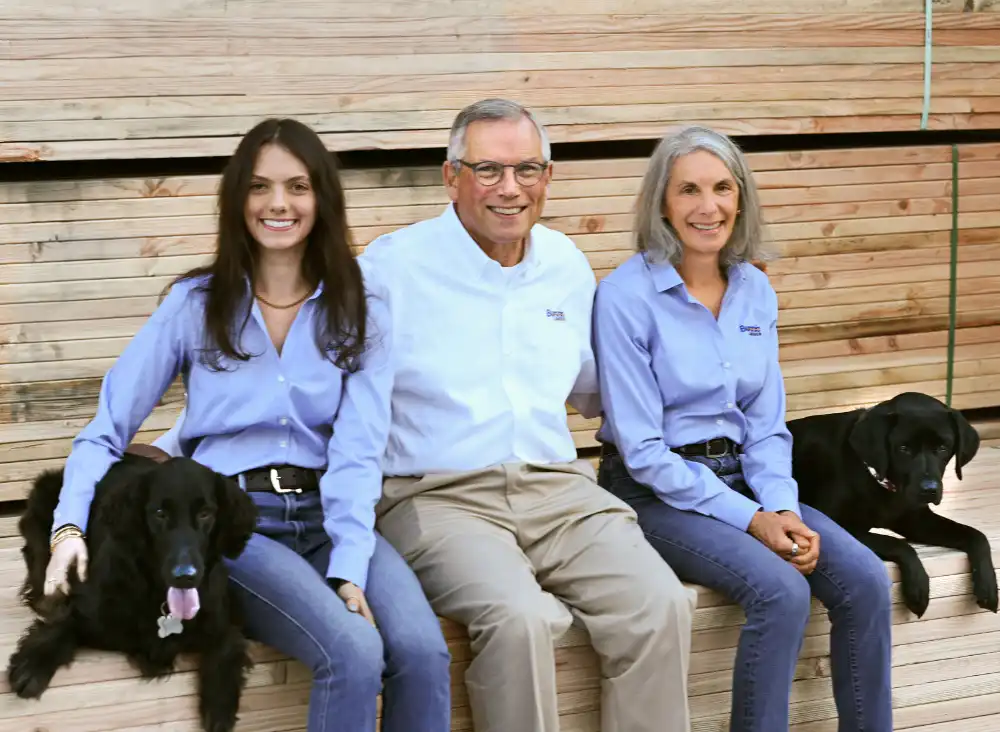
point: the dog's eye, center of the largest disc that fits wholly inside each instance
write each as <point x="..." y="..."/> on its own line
<point x="904" y="448"/>
<point x="204" y="514"/>
<point x="160" y="513"/>
<point x="942" y="448"/>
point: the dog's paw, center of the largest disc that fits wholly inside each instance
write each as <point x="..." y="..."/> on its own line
<point x="217" y="723"/>
<point x="984" y="586"/>
<point x="219" y="713"/>
<point x="28" y="679"/>
<point x="916" y="591"/>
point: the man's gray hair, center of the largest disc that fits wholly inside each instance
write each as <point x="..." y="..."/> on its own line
<point x="491" y="109"/>
<point x="654" y="235"/>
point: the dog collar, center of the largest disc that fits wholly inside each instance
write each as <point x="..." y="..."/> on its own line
<point x="884" y="482"/>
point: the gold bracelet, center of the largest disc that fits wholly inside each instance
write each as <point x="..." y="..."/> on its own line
<point x="66" y="531"/>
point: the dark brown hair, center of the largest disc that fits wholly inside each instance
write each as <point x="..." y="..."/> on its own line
<point x="328" y="259"/>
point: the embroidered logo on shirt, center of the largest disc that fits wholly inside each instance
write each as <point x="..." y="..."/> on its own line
<point x="555" y="314"/>
<point x="753" y="330"/>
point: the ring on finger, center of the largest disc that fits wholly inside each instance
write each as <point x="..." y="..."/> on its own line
<point x="353" y="605"/>
<point x="795" y="549"/>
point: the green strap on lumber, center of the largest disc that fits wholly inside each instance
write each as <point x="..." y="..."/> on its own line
<point x="928" y="52"/>
<point x="953" y="285"/>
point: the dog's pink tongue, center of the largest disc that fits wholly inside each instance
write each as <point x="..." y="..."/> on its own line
<point x="183" y="604"/>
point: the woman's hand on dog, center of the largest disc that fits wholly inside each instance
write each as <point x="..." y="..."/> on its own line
<point x="67" y="552"/>
<point x="779" y="531"/>
<point x="355" y="601"/>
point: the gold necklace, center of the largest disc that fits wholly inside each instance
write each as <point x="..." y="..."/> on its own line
<point x="282" y="307"/>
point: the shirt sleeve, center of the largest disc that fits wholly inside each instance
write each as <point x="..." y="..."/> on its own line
<point x="633" y="408"/>
<point x="130" y="390"/>
<point x="586" y="394"/>
<point x="352" y="483"/>
<point x="170" y="441"/>
<point x="767" y="447"/>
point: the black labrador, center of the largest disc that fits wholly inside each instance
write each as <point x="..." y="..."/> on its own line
<point x="883" y="468"/>
<point x="155" y="587"/>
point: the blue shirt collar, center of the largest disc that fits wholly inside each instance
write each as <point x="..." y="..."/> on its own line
<point x="665" y="275"/>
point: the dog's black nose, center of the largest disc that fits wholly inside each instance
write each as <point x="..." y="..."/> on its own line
<point x="930" y="488"/>
<point x="185" y="571"/>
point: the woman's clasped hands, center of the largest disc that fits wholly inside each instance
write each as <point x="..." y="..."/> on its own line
<point x="784" y="533"/>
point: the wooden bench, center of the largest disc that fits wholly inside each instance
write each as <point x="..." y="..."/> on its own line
<point x="946" y="675"/>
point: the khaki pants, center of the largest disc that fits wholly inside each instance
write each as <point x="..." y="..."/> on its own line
<point x="504" y="551"/>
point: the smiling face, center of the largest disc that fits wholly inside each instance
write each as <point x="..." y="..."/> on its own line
<point x="503" y="213"/>
<point x="701" y="202"/>
<point x="280" y="208"/>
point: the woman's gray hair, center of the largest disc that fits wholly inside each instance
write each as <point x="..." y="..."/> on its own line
<point x="491" y="109"/>
<point x="655" y="236"/>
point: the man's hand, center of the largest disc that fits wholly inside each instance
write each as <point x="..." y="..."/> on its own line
<point x="355" y="600"/>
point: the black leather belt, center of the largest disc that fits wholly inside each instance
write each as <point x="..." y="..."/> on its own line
<point x="281" y="479"/>
<point x="717" y="447"/>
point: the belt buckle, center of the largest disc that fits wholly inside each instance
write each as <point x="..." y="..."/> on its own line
<point x="716" y="455"/>
<point x="276" y="483"/>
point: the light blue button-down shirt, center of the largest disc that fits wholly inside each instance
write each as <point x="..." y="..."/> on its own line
<point x="295" y="408"/>
<point x="672" y="375"/>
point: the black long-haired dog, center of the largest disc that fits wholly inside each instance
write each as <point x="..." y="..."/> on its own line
<point x="155" y="584"/>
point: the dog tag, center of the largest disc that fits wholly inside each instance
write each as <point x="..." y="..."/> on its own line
<point x="169" y="625"/>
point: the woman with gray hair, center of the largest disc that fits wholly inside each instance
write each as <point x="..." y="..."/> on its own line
<point x="694" y="438"/>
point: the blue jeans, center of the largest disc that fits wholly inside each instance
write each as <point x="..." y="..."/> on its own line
<point x="849" y="580"/>
<point x="288" y="605"/>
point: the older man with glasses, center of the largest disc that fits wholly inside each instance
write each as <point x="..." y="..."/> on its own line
<point x="507" y="530"/>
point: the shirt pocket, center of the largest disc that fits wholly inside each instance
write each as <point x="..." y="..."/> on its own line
<point x="551" y="353"/>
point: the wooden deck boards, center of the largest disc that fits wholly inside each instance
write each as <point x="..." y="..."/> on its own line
<point x="946" y="674"/>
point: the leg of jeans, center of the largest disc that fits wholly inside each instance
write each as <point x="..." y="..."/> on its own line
<point x="417" y="692"/>
<point x="774" y="596"/>
<point x="854" y="586"/>
<point x="289" y="606"/>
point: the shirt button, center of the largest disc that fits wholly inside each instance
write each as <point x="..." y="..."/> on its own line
<point x="282" y="444"/>
<point x="725" y="365"/>
<point x="730" y="405"/>
<point x="718" y="421"/>
<point x="281" y="378"/>
<point x="284" y="421"/>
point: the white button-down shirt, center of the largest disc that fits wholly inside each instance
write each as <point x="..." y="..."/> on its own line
<point x="485" y="357"/>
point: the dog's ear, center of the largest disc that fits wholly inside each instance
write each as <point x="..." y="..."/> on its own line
<point x="236" y="518"/>
<point x="123" y="508"/>
<point x="966" y="441"/>
<point x="869" y="437"/>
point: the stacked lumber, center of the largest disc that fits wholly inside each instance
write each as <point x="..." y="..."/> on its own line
<point x="946" y="665"/>
<point x="863" y="276"/>
<point x="173" y="78"/>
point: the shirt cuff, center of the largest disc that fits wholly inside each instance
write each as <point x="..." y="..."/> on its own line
<point x="781" y="498"/>
<point x="349" y="565"/>
<point x="733" y="508"/>
<point x="70" y="515"/>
